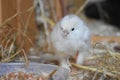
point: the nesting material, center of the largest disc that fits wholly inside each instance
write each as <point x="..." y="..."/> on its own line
<point x="101" y="66"/>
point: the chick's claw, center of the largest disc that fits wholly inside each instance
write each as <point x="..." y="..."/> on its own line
<point x="65" y="64"/>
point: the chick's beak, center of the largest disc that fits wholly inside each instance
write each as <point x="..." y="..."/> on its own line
<point x="65" y="33"/>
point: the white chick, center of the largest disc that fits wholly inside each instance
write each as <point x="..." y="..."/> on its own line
<point x="68" y="37"/>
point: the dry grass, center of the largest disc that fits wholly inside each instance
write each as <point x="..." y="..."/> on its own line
<point x="104" y="66"/>
<point x="9" y="48"/>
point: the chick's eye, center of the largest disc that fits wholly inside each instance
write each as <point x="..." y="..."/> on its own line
<point x="73" y="29"/>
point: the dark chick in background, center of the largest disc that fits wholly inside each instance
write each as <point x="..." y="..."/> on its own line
<point x="107" y="11"/>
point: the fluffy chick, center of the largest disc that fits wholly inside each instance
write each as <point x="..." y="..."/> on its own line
<point x="69" y="36"/>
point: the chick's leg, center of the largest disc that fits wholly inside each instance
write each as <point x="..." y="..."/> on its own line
<point x="80" y="59"/>
<point x="82" y="56"/>
<point x="64" y="62"/>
